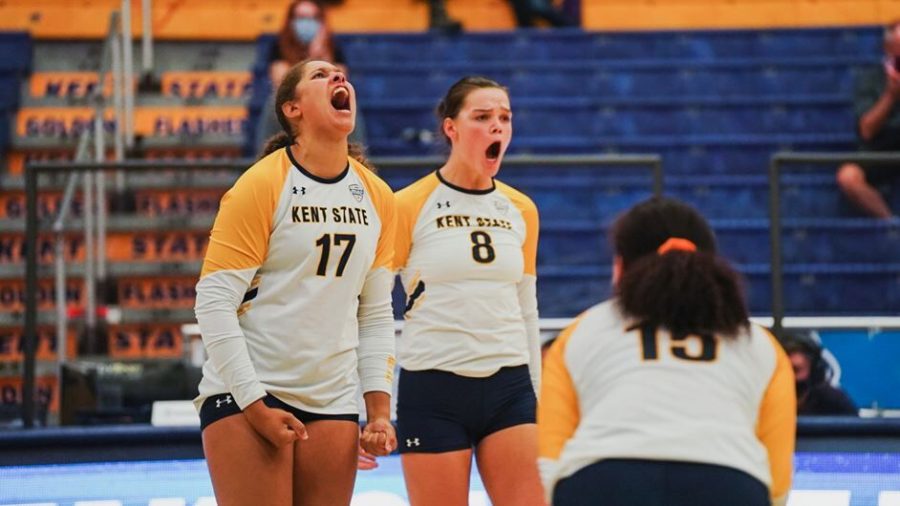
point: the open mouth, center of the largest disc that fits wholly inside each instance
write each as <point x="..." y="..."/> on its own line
<point x="340" y="99"/>
<point x="493" y="151"/>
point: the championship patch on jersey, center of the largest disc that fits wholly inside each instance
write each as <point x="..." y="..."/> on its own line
<point x="357" y="192"/>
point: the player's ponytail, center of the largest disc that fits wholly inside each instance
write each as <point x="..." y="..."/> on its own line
<point x="671" y="276"/>
<point x="278" y="141"/>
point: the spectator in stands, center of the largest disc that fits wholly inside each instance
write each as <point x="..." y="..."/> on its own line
<point x="815" y="393"/>
<point x="470" y="349"/>
<point x="528" y="12"/>
<point x="438" y="19"/>
<point x="304" y="35"/>
<point x="878" y="127"/>
<point x="294" y="308"/>
<point x="667" y="394"/>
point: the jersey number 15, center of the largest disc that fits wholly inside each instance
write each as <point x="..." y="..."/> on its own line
<point x="704" y="349"/>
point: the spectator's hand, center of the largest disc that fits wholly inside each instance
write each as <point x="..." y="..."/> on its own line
<point x="366" y="461"/>
<point x="378" y="437"/>
<point x="892" y="76"/>
<point x="277" y="426"/>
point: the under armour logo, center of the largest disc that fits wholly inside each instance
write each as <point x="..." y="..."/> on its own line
<point x="412" y="442"/>
<point x="301" y="190"/>
<point x="226" y="400"/>
<point x="443" y="205"/>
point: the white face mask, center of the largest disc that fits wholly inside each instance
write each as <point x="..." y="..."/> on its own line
<point x="306" y="29"/>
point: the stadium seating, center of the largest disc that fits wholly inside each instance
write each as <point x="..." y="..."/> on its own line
<point x="715" y="105"/>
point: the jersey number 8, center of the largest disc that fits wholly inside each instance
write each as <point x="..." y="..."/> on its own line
<point x="482" y="250"/>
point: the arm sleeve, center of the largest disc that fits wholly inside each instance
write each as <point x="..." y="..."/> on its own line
<point x="237" y="247"/>
<point x="375" y="314"/>
<point x="216" y="309"/>
<point x="558" y="412"/>
<point x="777" y="424"/>
<point x="527" y="290"/>
<point x="376" y="332"/>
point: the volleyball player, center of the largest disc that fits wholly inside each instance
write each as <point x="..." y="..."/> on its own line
<point x="295" y="311"/>
<point x="470" y="351"/>
<point x="666" y="395"/>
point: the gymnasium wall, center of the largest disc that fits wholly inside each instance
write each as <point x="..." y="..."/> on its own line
<point x="246" y="19"/>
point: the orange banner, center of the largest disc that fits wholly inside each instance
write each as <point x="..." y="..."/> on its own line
<point x="162" y="293"/>
<point x="12" y="344"/>
<point x="176" y="202"/>
<point x="150" y="203"/>
<point x="126" y="246"/>
<point x="16" y="160"/>
<point x="12" y="205"/>
<point x="69" y="122"/>
<point x="12" y="294"/>
<point x="66" y="84"/>
<point x="45" y="397"/>
<point x="145" y="341"/>
<point x="235" y="84"/>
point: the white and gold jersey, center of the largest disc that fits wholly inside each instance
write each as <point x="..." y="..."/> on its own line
<point x="614" y="391"/>
<point x="289" y="274"/>
<point x="467" y="263"/>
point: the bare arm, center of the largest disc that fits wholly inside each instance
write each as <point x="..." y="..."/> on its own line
<point x="871" y="122"/>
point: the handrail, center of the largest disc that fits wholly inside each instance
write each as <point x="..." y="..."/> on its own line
<point x="59" y="254"/>
<point x="775" y="164"/>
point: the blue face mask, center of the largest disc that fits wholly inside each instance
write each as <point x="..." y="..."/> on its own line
<point x="306" y="29"/>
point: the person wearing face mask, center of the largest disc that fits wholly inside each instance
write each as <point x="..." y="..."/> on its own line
<point x="816" y="395"/>
<point x="304" y="35"/>
<point x="294" y="308"/>
<point x="470" y="348"/>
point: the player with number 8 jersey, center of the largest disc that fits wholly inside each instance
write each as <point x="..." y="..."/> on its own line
<point x="469" y="352"/>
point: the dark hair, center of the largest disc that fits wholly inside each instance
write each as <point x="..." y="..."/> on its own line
<point x="452" y="102"/>
<point x="890" y="28"/>
<point x="687" y="292"/>
<point x="800" y="341"/>
<point x="285" y="92"/>
<point x="289" y="47"/>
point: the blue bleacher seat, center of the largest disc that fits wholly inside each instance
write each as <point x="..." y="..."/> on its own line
<point x="15" y="48"/>
<point x="530" y="45"/>
<point x="714" y="104"/>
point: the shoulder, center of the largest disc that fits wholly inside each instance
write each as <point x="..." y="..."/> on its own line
<point x="370" y="179"/>
<point x="599" y="320"/>
<point x="267" y="173"/>
<point x="522" y="201"/>
<point x="416" y="193"/>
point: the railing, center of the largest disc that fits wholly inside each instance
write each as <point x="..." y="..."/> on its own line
<point x="830" y="160"/>
<point x="32" y="225"/>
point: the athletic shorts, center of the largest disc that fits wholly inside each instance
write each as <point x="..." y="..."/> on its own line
<point x="438" y="411"/>
<point x="217" y="407"/>
<point x="877" y="175"/>
<point x="631" y="482"/>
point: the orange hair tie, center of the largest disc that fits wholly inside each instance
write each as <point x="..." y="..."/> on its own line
<point x="676" y="243"/>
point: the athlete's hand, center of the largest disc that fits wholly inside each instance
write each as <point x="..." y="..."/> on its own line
<point x="366" y="461"/>
<point x="276" y="425"/>
<point x="378" y="437"/>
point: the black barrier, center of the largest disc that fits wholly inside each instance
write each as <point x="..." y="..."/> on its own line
<point x="830" y="160"/>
